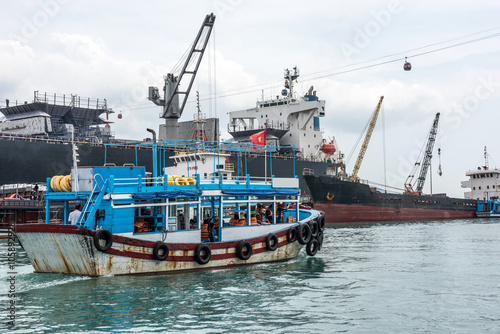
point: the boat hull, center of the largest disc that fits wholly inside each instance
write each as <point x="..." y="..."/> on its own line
<point x="351" y="202"/>
<point x="71" y="250"/>
<point x="355" y="213"/>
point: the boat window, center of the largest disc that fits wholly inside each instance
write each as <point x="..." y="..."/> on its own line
<point x="493" y="186"/>
<point x="487" y="187"/>
<point x="479" y="187"/>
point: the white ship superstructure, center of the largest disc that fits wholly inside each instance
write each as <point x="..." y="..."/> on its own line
<point x="289" y="120"/>
<point x="484" y="182"/>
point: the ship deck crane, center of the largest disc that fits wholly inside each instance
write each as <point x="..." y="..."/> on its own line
<point x="425" y="163"/>
<point x="172" y="109"/>
<point x="366" y="141"/>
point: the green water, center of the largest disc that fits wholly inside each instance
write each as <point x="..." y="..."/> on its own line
<point x="434" y="277"/>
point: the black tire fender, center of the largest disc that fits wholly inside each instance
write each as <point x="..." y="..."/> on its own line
<point x="303" y="234"/>
<point x="320" y="240"/>
<point x="160" y="251"/>
<point x="202" y="254"/>
<point x="321" y="223"/>
<point x="291" y="235"/>
<point x="107" y="236"/>
<point x="312" y="247"/>
<point x="244" y="250"/>
<point x="272" y="242"/>
<point x="313" y="225"/>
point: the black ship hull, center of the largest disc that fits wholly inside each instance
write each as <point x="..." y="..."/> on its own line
<point x="351" y="202"/>
<point x="25" y="161"/>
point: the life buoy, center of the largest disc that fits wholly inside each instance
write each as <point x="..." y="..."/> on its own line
<point x="107" y="236"/>
<point x="321" y="223"/>
<point x="160" y="251"/>
<point x="303" y="234"/>
<point x="202" y="254"/>
<point x="181" y="181"/>
<point x="312" y="247"/>
<point x="190" y="180"/>
<point x="313" y="225"/>
<point x="244" y="250"/>
<point x="272" y="242"/>
<point x="291" y="235"/>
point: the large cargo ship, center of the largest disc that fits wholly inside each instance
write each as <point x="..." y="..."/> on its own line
<point x="36" y="138"/>
<point x="346" y="202"/>
<point x="348" y="199"/>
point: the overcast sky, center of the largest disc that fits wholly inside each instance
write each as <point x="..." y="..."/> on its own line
<point x="351" y="52"/>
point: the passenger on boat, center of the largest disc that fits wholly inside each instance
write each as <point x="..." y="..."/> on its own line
<point x="253" y="220"/>
<point x="74" y="215"/>
<point x="234" y="221"/>
<point x="192" y="224"/>
<point x="259" y="210"/>
<point x="260" y="221"/>
<point x="269" y="214"/>
<point x="279" y="212"/>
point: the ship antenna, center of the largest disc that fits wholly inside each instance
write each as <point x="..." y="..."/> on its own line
<point x="486" y="165"/>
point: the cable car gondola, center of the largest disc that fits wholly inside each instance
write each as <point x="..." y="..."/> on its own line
<point x="407" y="66"/>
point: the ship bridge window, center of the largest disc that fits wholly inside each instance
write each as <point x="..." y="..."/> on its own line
<point x="482" y="176"/>
<point x="280" y="104"/>
<point x="274" y="104"/>
<point x="316" y="123"/>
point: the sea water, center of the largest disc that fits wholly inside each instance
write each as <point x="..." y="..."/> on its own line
<point x="421" y="277"/>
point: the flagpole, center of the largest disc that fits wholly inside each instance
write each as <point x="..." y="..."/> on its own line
<point x="265" y="164"/>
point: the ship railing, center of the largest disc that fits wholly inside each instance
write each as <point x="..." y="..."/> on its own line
<point x="270" y="124"/>
<point x="72" y="100"/>
<point x="163" y="182"/>
<point x="45" y="139"/>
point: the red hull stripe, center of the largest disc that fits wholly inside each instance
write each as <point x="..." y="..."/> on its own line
<point x="343" y="213"/>
<point x="69" y="229"/>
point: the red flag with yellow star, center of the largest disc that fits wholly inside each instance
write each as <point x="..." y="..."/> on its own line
<point x="258" y="139"/>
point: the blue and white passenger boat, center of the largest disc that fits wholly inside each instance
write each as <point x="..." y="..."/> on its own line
<point x="136" y="222"/>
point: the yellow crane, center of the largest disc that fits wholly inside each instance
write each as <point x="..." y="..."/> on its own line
<point x="366" y="141"/>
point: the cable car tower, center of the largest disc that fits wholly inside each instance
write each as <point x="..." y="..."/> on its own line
<point x="172" y="107"/>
